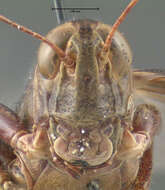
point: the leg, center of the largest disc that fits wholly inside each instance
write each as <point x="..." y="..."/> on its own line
<point x="9" y="126"/>
<point x="146" y="120"/>
<point x="142" y="181"/>
<point x="6" y="156"/>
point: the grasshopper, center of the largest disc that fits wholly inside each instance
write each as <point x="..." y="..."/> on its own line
<point x="77" y="126"/>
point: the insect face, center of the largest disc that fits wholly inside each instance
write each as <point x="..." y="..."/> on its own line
<point x="85" y="97"/>
<point x="76" y="127"/>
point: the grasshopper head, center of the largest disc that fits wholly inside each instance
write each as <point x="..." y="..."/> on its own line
<point x="89" y="98"/>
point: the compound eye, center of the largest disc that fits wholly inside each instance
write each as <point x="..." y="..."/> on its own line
<point x="120" y="52"/>
<point x="49" y="66"/>
<point x="48" y="61"/>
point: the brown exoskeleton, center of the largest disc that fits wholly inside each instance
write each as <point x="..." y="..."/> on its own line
<point x="77" y="126"/>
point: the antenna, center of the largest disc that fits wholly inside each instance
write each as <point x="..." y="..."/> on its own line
<point x="59" y="51"/>
<point x="117" y="23"/>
